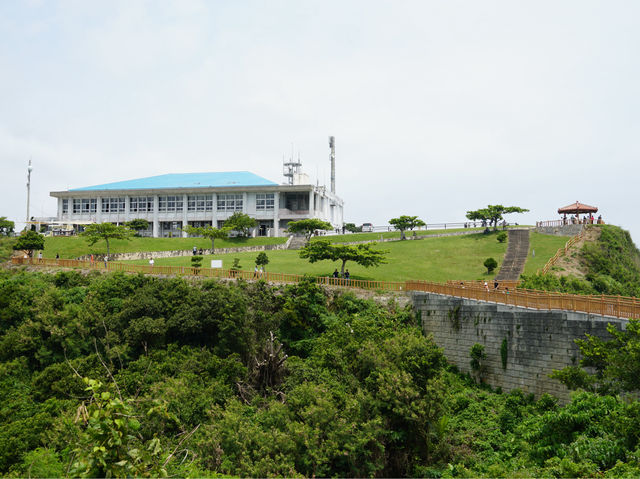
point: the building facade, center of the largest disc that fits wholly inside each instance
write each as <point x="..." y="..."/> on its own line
<point x="171" y="202"/>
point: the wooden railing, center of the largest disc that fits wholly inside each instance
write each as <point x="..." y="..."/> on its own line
<point x="502" y="285"/>
<point x="617" y="306"/>
<point x="562" y="251"/>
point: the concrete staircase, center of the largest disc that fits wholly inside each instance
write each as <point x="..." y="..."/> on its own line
<point x="516" y="256"/>
<point x="297" y="242"/>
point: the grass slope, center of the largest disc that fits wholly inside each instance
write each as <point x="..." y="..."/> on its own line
<point x="545" y="247"/>
<point x="433" y="259"/>
<point x="72" y="247"/>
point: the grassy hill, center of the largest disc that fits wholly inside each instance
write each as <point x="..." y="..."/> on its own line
<point x="608" y="265"/>
<point x="432" y="259"/>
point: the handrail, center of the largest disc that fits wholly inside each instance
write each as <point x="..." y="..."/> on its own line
<point x="562" y="251"/>
<point x="617" y="306"/>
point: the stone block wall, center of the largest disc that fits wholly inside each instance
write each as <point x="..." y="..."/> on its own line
<point x="564" y="230"/>
<point x="537" y="341"/>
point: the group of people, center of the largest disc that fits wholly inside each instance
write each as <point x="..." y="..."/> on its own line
<point x="197" y="251"/>
<point x="336" y="274"/>
<point x="258" y="272"/>
<point x="585" y="220"/>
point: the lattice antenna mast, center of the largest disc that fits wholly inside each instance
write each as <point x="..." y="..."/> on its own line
<point x="291" y="168"/>
<point x="29" y="170"/>
<point x="332" y="145"/>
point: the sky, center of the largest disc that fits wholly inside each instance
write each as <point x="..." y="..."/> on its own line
<point x="437" y="107"/>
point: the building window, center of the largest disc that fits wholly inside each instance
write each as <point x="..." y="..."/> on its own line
<point x="265" y="201"/>
<point x="89" y="205"/>
<point x="200" y="203"/>
<point x="230" y="202"/>
<point x="77" y="206"/>
<point x="113" y="205"/>
<point x="65" y="206"/>
<point x="170" y="203"/>
<point x="141" y="204"/>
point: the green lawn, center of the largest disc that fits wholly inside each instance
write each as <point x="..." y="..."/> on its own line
<point x="434" y="259"/>
<point x="545" y="247"/>
<point x="351" y="237"/>
<point x="74" y="246"/>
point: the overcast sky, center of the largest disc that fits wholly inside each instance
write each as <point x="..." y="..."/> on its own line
<point x="438" y="107"/>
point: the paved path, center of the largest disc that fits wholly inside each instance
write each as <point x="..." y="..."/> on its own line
<point x="517" y="252"/>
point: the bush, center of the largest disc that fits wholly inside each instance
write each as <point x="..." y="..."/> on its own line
<point x="490" y="264"/>
<point x="502" y="237"/>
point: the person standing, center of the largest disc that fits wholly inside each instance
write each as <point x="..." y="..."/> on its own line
<point x="151" y="262"/>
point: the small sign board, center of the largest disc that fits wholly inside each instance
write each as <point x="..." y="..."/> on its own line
<point x="216" y="263"/>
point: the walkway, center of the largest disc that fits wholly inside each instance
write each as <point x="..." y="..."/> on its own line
<point x="616" y="306"/>
<point x="517" y="252"/>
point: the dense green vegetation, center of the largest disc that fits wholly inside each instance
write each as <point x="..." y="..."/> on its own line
<point x="612" y="264"/>
<point x="242" y="379"/>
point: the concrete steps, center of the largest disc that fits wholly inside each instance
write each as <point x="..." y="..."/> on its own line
<point x="297" y="242"/>
<point x="516" y="256"/>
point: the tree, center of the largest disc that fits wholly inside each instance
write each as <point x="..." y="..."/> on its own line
<point x="352" y="228"/>
<point x="209" y="232"/>
<point x="490" y="264"/>
<point x="196" y="261"/>
<point x="138" y="224"/>
<point x="308" y="227"/>
<point x="405" y="222"/>
<point x="493" y="213"/>
<point x="241" y="223"/>
<point x="612" y="365"/>
<point x="105" y="231"/>
<point x="362" y="254"/>
<point x="110" y="443"/>
<point x="262" y="259"/>
<point x="30" y="241"/>
<point x="6" y="226"/>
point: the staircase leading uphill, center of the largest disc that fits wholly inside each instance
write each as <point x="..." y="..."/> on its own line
<point x="516" y="256"/>
<point x="297" y="242"/>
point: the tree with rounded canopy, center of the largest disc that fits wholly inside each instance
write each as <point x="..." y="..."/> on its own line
<point x="240" y="222"/>
<point x="404" y="222"/>
<point x="6" y="226"/>
<point x="362" y="254"/>
<point x="138" y="224"/>
<point x="493" y="213"/>
<point x="105" y="231"/>
<point x="262" y="259"/>
<point x="308" y="227"/>
<point x="29" y="241"/>
<point x="490" y="264"/>
<point x="209" y="232"/>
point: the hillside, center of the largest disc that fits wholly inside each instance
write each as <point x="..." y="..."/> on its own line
<point x="608" y="262"/>
<point x="212" y="379"/>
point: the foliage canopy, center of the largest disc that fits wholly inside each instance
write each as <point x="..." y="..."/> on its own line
<point x="363" y="254"/>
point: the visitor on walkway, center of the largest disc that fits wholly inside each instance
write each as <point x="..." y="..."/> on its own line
<point x="151" y="262"/>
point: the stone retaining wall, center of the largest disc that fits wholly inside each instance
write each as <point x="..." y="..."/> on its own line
<point x="565" y="230"/>
<point x="537" y="341"/>
<point x="175" y="253"/>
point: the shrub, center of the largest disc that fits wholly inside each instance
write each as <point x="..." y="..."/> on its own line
<point x="490" y="264"/>
<point x="502" y="237"/>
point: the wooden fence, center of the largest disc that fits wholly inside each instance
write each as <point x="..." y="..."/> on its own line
<point x="617" y="306"/>
<point x="562" y="251"/>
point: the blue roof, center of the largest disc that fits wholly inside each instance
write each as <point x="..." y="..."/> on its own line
<point x="185" y="180"/>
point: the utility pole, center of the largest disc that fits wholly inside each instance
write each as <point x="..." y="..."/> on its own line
<point x="29" y="170"/>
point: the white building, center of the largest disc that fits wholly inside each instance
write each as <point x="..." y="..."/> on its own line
<point x="170" y="202"/>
